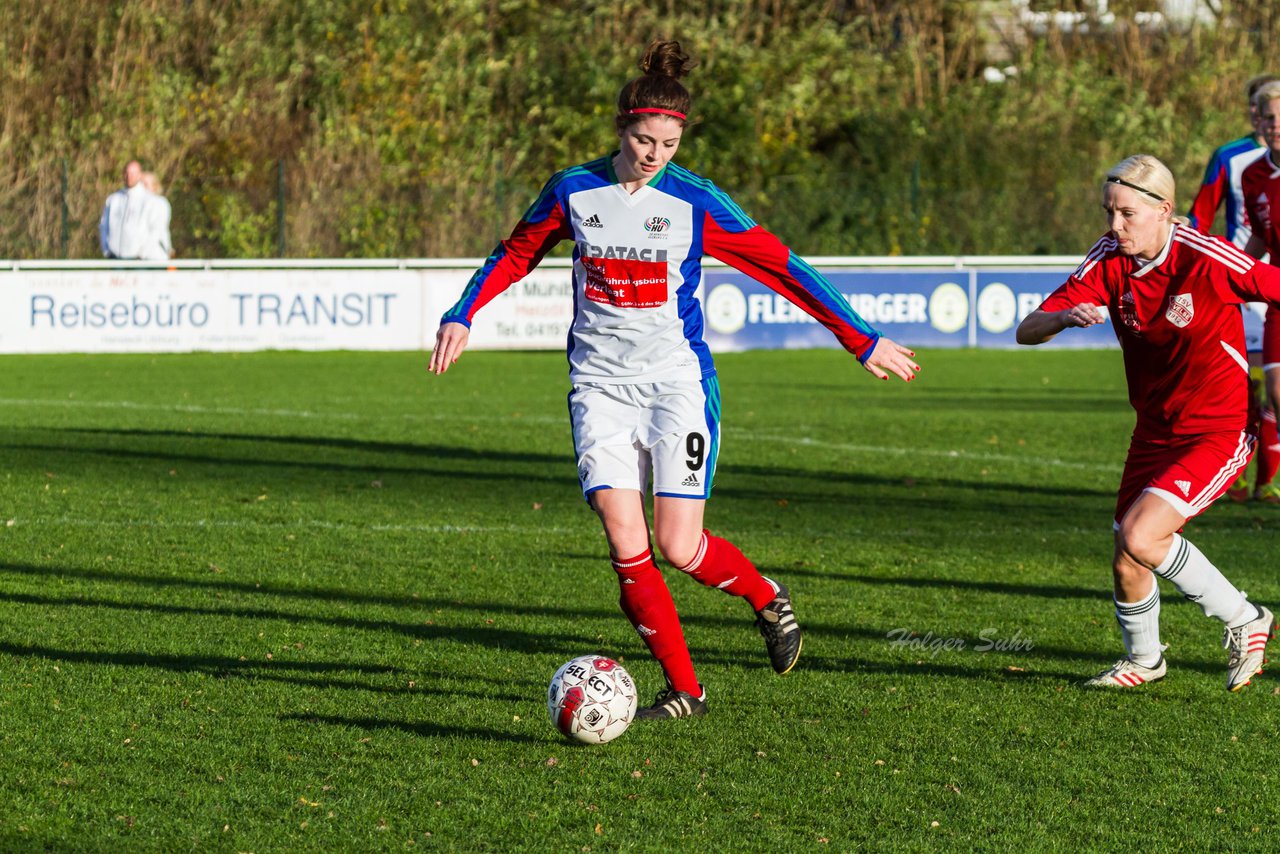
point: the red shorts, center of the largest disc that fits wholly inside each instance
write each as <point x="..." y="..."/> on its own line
<point x="1188" y="472"/>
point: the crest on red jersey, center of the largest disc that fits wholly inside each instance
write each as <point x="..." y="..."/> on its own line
<point x="1180" y="310"/>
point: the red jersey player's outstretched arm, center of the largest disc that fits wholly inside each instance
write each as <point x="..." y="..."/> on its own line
<point x="1076" y="302"/>
<point x="1040" y="325"/>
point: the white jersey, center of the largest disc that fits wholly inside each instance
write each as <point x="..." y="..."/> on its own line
<point x="637" y="265"/>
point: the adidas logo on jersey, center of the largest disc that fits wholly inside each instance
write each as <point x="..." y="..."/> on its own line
<point x="1185" y="486"/>
<point x="593" y="221"/>
<point x="691" y="480"/>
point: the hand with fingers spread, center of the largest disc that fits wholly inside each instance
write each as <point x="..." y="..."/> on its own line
<point x="889" y="357"/>
<point x="451" y="340"/>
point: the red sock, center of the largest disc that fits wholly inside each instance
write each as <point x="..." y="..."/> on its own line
<point x="648" y="605"/>
<point x="1268" y="448"/>
<point x="719" y="564"/>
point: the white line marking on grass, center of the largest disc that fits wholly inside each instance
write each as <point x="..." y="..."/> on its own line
<point x="188" y="409"/>
<point x="173" y="407"/>
<point x="75" y="522"/>
<point x="821" y="535"/>
<point x="384" y="527"/>
<point x="745" y="435"/>
<point x="976" y="456"/>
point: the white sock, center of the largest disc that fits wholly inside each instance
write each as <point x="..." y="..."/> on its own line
<point x="1140" y="627"/>
<point x="1202" y="583"/>
<point x="1247" y="614"/>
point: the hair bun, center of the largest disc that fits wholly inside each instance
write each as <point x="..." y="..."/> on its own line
<point x="667" y="59"/>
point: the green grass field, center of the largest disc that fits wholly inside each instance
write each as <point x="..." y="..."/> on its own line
<point x="286" y="601"/>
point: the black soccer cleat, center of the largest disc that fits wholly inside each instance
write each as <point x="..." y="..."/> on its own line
<point x="670" y="704"/>
<point x="777" y="623"/>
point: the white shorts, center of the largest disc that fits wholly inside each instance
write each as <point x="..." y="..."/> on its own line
<point x="622" y="434"/>
<point x="1253" y="314"/>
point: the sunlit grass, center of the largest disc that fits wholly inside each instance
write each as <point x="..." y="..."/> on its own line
<point x="311" y="601"/>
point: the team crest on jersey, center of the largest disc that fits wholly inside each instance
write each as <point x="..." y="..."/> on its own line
<point x="1180" y="310"/>
<point x="657" y="226"/>
<point x="1264" y="210"/>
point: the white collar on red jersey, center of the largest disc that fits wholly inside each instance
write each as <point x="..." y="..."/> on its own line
<point x="1159" y="259"/>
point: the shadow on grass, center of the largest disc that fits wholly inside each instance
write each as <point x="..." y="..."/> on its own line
<point x="1031" y="665"/>
<point x="243" y="463"/>
<point x="219" y="666"/>
<point x="976" y="651"/>
<point x="411" y="449"/>
<point x="463" y="633"/>
<point x="1004" y="588"/>
<point x="489" y="636"/>
<point x="826" y="635"/>
<point x="256" y="670"/>
<point x="925" y="399"/>
<point x="809" y="484"/>
<point x="421" y="729"/>
<point x="777" y="476"/>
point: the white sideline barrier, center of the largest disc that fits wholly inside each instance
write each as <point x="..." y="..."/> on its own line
<point x="190" y="305"/>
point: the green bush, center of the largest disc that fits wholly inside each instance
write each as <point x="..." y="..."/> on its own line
<point x="410" y="129"/>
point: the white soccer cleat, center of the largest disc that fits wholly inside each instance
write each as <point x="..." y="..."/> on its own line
<point x="1127" y="673"/>
<point x="1247" y="647"/>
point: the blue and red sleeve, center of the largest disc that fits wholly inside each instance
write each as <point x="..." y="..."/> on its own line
<point x="542" y="227"/>
<point x="1212" y="190"/>
<point x="763" y="257"/>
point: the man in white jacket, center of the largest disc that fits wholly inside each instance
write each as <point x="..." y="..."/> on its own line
<point x="122" y="228"/>
<point x="157" y="244"/>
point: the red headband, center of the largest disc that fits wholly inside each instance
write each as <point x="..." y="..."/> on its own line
<point x="681" y="116"/>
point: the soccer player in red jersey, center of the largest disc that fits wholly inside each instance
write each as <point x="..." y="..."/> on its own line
<point x="1173" y="296"/>
<point x="645" y="399"/>
<point x="1260" y="183"/>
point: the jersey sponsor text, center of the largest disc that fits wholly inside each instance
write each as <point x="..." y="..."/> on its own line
<point x="626" y="284"/>
<point x="626" y="253"/>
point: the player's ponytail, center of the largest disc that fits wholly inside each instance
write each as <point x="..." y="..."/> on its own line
<point x="659" y="90"/>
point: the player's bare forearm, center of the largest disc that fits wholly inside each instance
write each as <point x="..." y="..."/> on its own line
<point x="1039" y="326"/>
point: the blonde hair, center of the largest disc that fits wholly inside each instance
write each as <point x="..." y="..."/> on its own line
<point x="1265" y="93"/>
<point x="1150" y="178"/>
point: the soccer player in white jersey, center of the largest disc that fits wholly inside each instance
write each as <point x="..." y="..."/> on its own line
<point x="1260" y="185"/>
<point x="1223" y="184"/>
<point x="645" y="402"/>
<point x="1173" y="296"/>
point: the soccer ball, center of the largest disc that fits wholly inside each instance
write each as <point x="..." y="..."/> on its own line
<point x="592" y="699"/>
